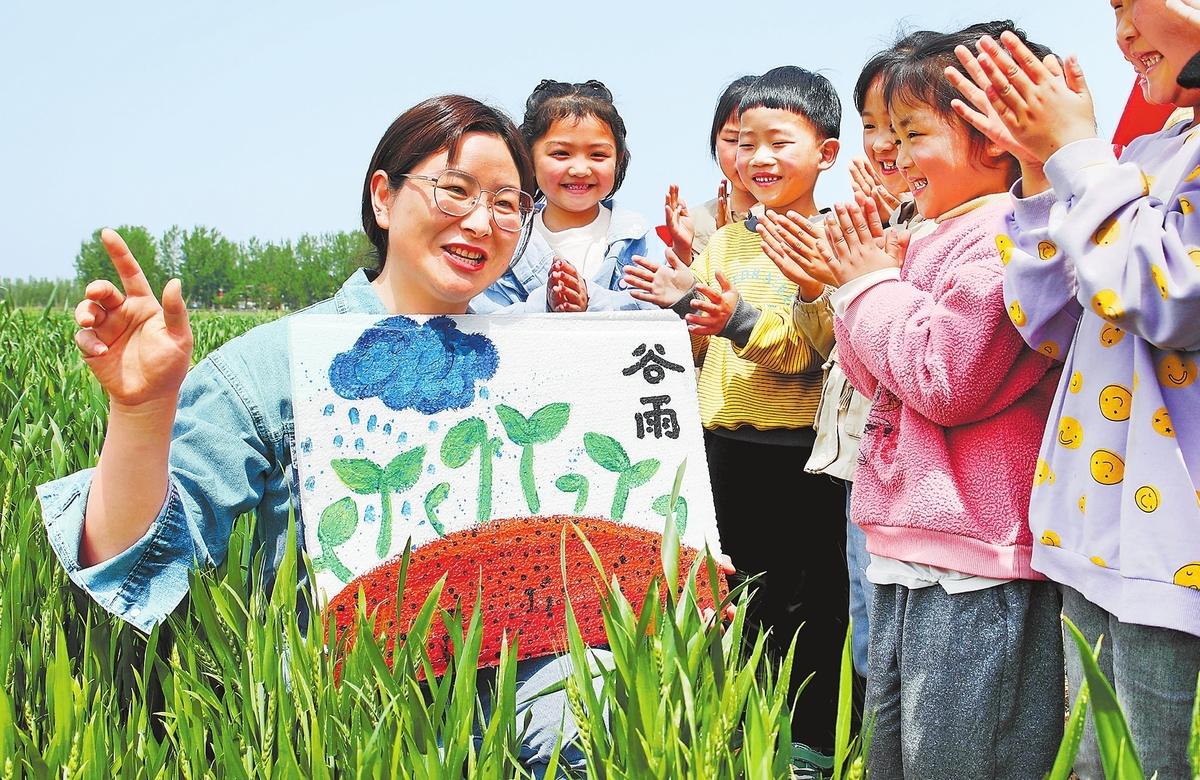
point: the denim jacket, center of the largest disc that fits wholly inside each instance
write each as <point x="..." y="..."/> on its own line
<point x="231" y="452"/>
<point x="627" y="236"/>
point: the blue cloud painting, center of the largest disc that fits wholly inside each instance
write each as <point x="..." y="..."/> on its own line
<point x="428" y="367"/>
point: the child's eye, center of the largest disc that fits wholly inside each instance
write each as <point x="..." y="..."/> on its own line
<point x="868" y="127"/>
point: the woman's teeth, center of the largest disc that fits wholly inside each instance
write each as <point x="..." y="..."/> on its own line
<point x="467" y="255"/>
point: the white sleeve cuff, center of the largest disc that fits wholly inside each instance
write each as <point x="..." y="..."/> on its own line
<point x="846" y="294"/>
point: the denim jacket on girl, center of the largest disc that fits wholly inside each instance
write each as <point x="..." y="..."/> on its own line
<point x="628" y="235"/>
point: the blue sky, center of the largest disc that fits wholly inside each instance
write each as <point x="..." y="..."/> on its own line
<point x="258" y="119"/>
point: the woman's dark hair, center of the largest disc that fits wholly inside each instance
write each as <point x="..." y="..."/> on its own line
<point x="727" y="106"/>
<point x="884" y="59"/>
<point x="432" y="126"/>
<point x="554" y="100"/>
<point x="799" y="91"/>
<point x="919" y="77"/>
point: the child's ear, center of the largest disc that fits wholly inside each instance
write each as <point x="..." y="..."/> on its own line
<point x="995" y="153"/>
<point x="381" y="198"/>
<point x="829" y="153"/>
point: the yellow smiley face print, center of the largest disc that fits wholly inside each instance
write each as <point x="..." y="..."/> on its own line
<point x="1043" y="473"/>
<point x="1110" y="335"/>
<point x="1050" y="539"/>
<point x="1115" y="402"/>
<point x="1108" y="468"/>
<point x="1192" y="176"/>
<point x="1047" y="250"/>
<point x="1016" y="313"/>
<point x="1005" y="246"/>
<point x="1160" y="280"/>
<point x="1108" y="232"/>
<point x="1176" y="370"/>
<point x="1076" y="382"/>
<point x="1049" y="349"/>
<point x="1147" y="498"/>
<point x="1185" y="205"/>
<point x="1195" y="255"/>
<point x="1162" y="423"/>
<point x="1083" y="504"/>
<point x="1188" y="576"/>
<point x="1070" y="433"/>
<point x="1096" y="559"/>
<point x="1108" y="305"/>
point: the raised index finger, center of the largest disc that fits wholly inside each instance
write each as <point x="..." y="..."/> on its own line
<point x="132" y="278"/>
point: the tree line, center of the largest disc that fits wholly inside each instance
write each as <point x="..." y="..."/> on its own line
<point x="217" y="273"/>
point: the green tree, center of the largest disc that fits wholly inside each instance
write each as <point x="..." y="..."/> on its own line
<point x="93" y="262"/>
<point x="270" y="275"/>
<point x="208" y="267"/>
<point x="170" y="252"/>
<point x="326" y="260"/>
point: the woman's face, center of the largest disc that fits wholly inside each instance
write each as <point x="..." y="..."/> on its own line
<point x="437" y="263"/>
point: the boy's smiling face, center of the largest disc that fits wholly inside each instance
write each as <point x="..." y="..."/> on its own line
<point x="780" y="155"/>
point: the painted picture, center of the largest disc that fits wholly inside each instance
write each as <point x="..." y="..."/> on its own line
<point x="477" y="440"/>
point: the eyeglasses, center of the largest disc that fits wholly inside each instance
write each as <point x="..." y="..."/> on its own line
<point x="456" y="193"/>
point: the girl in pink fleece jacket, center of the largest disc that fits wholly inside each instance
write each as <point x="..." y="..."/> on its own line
<point x="965" y="660"/>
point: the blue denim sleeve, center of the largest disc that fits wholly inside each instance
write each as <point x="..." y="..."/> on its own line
<point x="219" y="468"/>
<point x="141" y="585"/>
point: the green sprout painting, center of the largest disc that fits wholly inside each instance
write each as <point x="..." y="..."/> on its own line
<point x="608" y="453"/>
<point x="366" y="478"/>
<point x="460" y="443"/>
<point x="577" y="484"/>
<point x="541" y="427"/>
<point x="337" y="524"/>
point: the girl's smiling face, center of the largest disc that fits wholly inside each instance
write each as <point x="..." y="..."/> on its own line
<point x="1158" y="44"/>
<point x="727" y="148"/>
<point x="936" y="159"/>
<point x="879" y="142"/>
<point x="576" y="165"/>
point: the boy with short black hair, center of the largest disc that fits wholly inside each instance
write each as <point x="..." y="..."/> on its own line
<point x="759" y="386"/>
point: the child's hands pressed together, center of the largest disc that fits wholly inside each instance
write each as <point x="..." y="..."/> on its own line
<point x="865" y="179"/>
<point x="566" y="290"/>
<point x="794" y="245"/>
<point x="679" y="225"/>
<point x="712" y="312"/>
<point x="858" y="243"/>
<point x="661" y="284"/>
<point x="1044" y="106"/>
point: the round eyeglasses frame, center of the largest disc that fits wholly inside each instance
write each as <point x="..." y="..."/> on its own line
<point x="453" y="206"/>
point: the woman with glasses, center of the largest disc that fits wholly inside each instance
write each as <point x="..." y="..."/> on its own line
<point x="446" y="205"/>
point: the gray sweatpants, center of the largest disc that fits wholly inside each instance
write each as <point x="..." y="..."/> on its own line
<point x="966" y="686"/>
<point x="1153" y="671"/>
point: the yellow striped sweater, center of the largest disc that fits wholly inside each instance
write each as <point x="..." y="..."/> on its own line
<point x="775" y="380"/>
